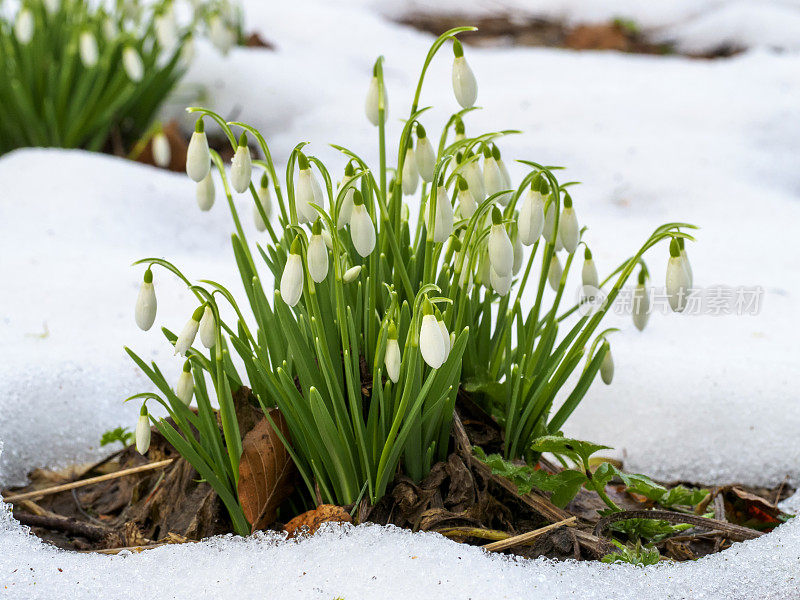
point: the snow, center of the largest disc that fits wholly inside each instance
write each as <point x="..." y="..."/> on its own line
<point x="705" y="398"/>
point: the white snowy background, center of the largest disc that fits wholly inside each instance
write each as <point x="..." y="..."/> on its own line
<point x="707" y="398"/>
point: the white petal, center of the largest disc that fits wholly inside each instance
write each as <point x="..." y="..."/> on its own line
<point x="464" y="84"/>
<point x="292" y="280"/>
<point x="589" y="274"/>
<point x="392" y="360"/>
<point x="568" y="230"/>
<point x="319" y="199"/>
<point x="519" y="255"/>
<point x="208" y="328"/>
<point x="554" y="273"/>
<point x="146" y="306"/>
<point x="492" y="177"/>
<point x="431" y="344"/>
<point x="549" y="229"/>
<point x="677" y="284"/>
<point x="317" y="256"/>
<point x="501" y="252"/>
<point x="472" y="173"/>
<point x="531" y="218"/>
<point x="88" y="49"/>
<point x="162" y="155"/>
<point x="500" y="284"/>
<point x="241" y="168"/>
<point x="641" y="306"/>
<point x="143" y="434"/>
<point x="425" y="158"/>
<point x="443" y="226"/>
<point x="607" y="368"/>
<point x="205" y="192"/>
<point x="186" y="338"/>
<point x="185" y="388"/>
<point x="346" y="210"/>
<point x="362" y="231"/>
<point x="688" y="267"/>
<point x="197" y="157"/>
<point x="445" y="338"/>
<point x="265" y="199"/>
<point x="23" y="27"/>
<point x="351" y="274"/>
<point x="410" y="174"/>
<point x="466" y="202"/>
<point x="304" y="195"/>
<point x="507" y="185"/>
<point x="371" y="104"/>
<point x="132" y="63"/>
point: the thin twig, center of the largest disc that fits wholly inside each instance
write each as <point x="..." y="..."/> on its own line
<point x="83" y="482"/>
<point x="524" y="538"/>
<point x="735" y="532"/>
<point x="66" y="524"/>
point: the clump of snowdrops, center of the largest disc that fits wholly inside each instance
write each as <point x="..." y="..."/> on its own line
<point x="375" y="320"/>
<point x="74" y="70"/>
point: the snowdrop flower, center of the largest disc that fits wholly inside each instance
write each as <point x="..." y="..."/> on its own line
<point x="208" y="328"/>
<point x="424" y="155"/>
<point x="132" y="63"/>
<point x="23" y="27"/>
<point x="187" y="51"/>
<point x="465" y="86"/>
<point x="189" y="332"/>
<point x="328" y="239"/>
<point x="265" y="200"/>
<point x="185" y="388"/>
<point x="519" y="255"/>
<point x="351" y="274"/>
<point x="460" y="131"/>
<point x="607" y="366"/>
<point x="466" y="202"/>
<point x="241" y="166"/>
<point x="362" y="230"/>
<point x="483" y="276"/>
<point x="410" y="174"/>
<point x="443" y="225"/>
<point x="292" y="278"/>
<point x="205" y="192"/>
<point x="554" y="272"/>
<point x="143" y="431"/>
<point x="678" y="282"/>
<point x="197" y="155"/>
<point x="166" y="30"/>
<point x="431" y="341"/>
<point x="549" y="230"/>
<point x="531" y="217"/>
<point x="686" y="264"/>
<point x="52" y="6"/>
<point x="146" y="303"/>
<point x="472" y="173"/>
<point x="392" y="358"/>
<point x="220" y="34"/>
<point x="162" y="155"/>
<point x="372" y="104"/>
<point x="346" y="209"/>
<point x="501" y="252"/>
<point x="589" y="277"/>
<point x="507" y="185"/>
<point x="87" y="46"/>
<point x="307" y="192"/>
<point x="568" y="229"/>
<point x="445" y="334"/>
<point x="641" y="303"/>
<point x="500" y="283"/>
<point x="492" y="177"/>
<point x="317" y="254"/>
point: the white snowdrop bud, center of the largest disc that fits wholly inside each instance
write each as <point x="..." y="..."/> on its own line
<point x="519" y="253"/>
<point x="410" y="174"/>
<point x="143" y="431"/>
<point x="23" y="26"/>
<point x="424" y="155"/>
<point x="589" y="277"/>
<point x="326" y="236"/>
<point x="465" y="86"/>
<point x="686" y="264"/>
<point x="372" y="106"/>
<point x="189" y="332"/>
<point x="472" y="173"/>
<point x="204" y="192"/>
<point x="500" y="283"/>
<point x="146" y="303"/>
<point x="351" y="274"/>
<point x="641" y="303"/>
<point x="607" y="366"/>
<point x="504" y="199"/>
<point x="307" y="192"/>
<point x="265" y="200"/>
<point x="132" y="63"/>
<point x="444" y="333"/>
<point x="52" y="6"/>
<point x="466" y="202"/>
<point x="292" y="278"/>
<point x="346" y="209"/>
<point x="501" y="252"/>
<point x="678" y="283"/>
<point x="392" y="358"/>
<point x="568" y="230"/>
<point x="87" y="46"/>
<point x="492" y="177"/>
<point x="197" y="155"/>
<point x="317" y="254"/>
<point x="220" y="34"/>
<point x="549" y="230"/>
<point x="554" y="272"/>
<point x="109" y="28"/>
<point x="162" y="155"/>
<point x="431" y="342"/>
<point x="185" y="388"/>
<point x="166" y="30"/>
<point x="443" y="226"/>
<point x="208" y="328"/>
<point x="241" y="166"/>
<point x="531" y="217"/>
<point x="362" y="230"/>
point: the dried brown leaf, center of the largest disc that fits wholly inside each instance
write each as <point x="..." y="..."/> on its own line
<point x="311" y="520"/>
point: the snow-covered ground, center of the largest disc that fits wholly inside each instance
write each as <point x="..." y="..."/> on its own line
<point x="705" y="398"/>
